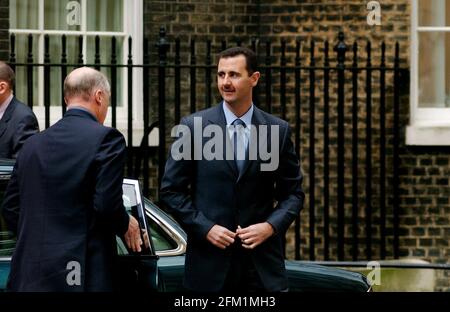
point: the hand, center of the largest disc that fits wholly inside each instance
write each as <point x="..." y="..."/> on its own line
<point x="146" y="239"/>
<point x="255" y="234"/>
<point x="133" y="235"/>
<point x="220" y="236"/>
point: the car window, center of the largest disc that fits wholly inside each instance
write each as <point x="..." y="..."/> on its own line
<point x="161" y="241"/>
<point x="132" y="201"/>
<point x="7" y="239"/>
<point x="121" y="248"/>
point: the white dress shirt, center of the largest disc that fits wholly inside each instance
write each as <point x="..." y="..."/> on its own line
<point x="5" y="105"/>
<point x="246" y="118"/>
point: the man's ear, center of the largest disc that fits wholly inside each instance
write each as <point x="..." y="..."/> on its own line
<point x="98" y="96"/>
<point x="255" y="77"/>
<point x="4" y="87"/>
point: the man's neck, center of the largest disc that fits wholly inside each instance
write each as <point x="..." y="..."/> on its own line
<point x="87" y="108"/>
<point x="4" y="98"/>
<point x="239" y="109"/>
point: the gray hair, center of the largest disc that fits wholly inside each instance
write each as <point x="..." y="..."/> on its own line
<point x="83" y="82"/>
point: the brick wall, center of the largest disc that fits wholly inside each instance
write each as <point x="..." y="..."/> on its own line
<point x="424" y="172"/>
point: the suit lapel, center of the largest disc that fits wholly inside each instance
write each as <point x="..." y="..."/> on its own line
<point x="7" y="116"/>
<point x="3" y="125"/>
<point x="217" y="117"/>
<point x="2" y="128"/>
<point x="257" y="120"/>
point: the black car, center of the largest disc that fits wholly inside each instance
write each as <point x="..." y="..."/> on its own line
<point x="161" y="267"/>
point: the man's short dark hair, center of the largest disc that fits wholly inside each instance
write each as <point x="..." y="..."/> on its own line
<point x="7" y="74"/>
<point x="250" y="57"/>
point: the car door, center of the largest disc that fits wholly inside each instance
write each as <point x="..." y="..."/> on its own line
<point x="137" y="271"/>
<point x="169" y="241"/>
<point x="7" y="239"/>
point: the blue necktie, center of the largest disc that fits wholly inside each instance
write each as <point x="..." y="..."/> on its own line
<point x="239" y="144"/>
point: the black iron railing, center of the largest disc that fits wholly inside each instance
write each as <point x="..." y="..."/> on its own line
<point x="320" y="83"/>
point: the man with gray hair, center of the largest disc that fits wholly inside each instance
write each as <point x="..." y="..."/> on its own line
<point x="64" y="199"/>
<point x="17" y="121"/>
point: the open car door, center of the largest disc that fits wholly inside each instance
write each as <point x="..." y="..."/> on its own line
<point x="137" y="271"/>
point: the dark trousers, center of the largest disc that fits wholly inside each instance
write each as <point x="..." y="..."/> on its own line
<point x="242" y="275"/>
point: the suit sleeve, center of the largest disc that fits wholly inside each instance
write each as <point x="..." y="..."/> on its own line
<point x="288" y="190"/>
<point x="10" y="205"/>
<point x="110" y="161"/>
<point x="26" y="127"/>
<point x="175" y="194"/>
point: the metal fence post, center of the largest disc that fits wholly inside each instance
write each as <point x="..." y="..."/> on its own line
<point x="312" y="156"/>
<point x="163" y="46"/>
<point x="63" y="71"/>
<point x="177" y="82"/>
<point x="326" y="154"/>
<point x="383" y="153"/>
<point x="47" y="80"/>
<point x="146" y="119"/>
<point x="283" y="80"/>
<point x="97" y="60"/>
<point x="355" y="201"/>
<point x="268" y="78"/>
<point x="12" y="55"/>
<point x="396" y="149"/>
<point x="297" y="136"/>
<point x="340" y="49"/>
<point x="369" y="153"/>
<point x="130" y="107"/>
<point x="193" y="77"/>
<point x="30" y="83"/>
<point x="113" y="83"/>
<point x="208" y="80"/>
<point x="80" y="50"/>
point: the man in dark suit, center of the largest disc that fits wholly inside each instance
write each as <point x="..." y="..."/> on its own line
<point x="17" y="121"/>
<point x="64" y="199"/>
<point x="235" y="232"/>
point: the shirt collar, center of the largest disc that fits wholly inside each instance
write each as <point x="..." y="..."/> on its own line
<point x="230" y="116"/>
<point x="5" y="104"/>
<point x="81" y="108"/>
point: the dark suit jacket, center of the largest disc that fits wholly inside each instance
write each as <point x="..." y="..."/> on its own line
<point x="64" y="201"/>
<point x="17" y="124"/>
<point x="201" y="193"/>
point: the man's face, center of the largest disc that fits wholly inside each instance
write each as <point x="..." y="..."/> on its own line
<point x="233" y="81"/>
